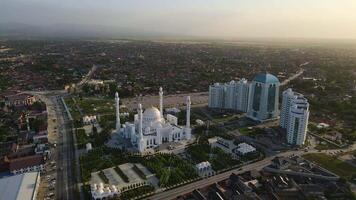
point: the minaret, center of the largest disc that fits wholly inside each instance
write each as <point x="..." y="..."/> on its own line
<point x="140" y="121"/>
<point x="188" y="103"/>
<point x="140" y="142"/>
<point x="188" y="130"/>
<point x="117" y="104"/>
<point x="161" y="101"/>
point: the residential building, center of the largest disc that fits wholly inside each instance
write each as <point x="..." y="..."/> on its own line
<point x="243" y="92"/>
<point x="19" y="100"/>
<point x="229" y="147"/>
<point x="244" y="148"/>
<point x="294" y="116"/>
<point x="26" y="164"/>
<point x="230" y="95"/>
<point x="263" y="100"/>
<point x="216" y="96"/>
<point x="233" y="95"/>
<point x="298" y="121"/>
<point x="287" y="97"/>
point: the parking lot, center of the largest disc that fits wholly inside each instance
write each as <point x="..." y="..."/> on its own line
<point x="47" y="187"/>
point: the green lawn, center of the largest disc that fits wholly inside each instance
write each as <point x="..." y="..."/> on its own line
<point x="91" y="106"/>
<point x="332" y="164"/>
<point x="253" y="131"/>
<point x="101" y="158"/>
<point x="170" y="169"/>
<point x="326" y="146"/>
<point x="82" y="138"/>
<point x="218" y="158"/>
<point x="72" y="108"/>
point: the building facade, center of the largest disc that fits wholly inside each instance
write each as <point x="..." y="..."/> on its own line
<point x="263" y="100"/>
<point x="216" y="96"/>
<point x="150" y="128"/>
<point x="233" y="95"/>
<point x="243" y="92"/>
<point x="294" y="116"/>
<point x="287" y="97"/>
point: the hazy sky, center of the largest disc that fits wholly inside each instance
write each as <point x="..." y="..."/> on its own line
<point x="213" y="18"/>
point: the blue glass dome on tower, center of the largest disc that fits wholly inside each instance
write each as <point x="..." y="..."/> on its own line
<point x="266" y="78"/>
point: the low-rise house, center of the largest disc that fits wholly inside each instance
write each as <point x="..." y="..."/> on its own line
<point x="229" y="147"/>
<point x="19" y="100"/>
<point x="244" y="148"/>
<point x="204" y="169"/>
<point x="40" y="138"/>
<point x="43" y="149"/>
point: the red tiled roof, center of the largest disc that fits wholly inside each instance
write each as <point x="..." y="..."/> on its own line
<point x="24" y="162"/>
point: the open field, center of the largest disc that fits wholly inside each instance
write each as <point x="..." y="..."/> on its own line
<point x="332" y="164"/>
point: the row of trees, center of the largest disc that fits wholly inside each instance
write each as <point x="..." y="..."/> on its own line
<point x="140" y="191"/>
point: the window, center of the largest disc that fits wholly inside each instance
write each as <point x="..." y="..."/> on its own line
<point x="257" y="97"/>
<point x="271" y="98"/>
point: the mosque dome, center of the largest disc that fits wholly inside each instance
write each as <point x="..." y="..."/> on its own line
<point x="151" y="114"/>
<point x="266" y="78"/>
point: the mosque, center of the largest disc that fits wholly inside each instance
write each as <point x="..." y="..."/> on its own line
<point x="150" y="128"/>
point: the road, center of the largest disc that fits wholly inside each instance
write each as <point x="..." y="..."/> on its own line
<point x="87" y="77"/>
<point x="296" y="75"/>
<point x="174" y="193"/>
<point x="171" y="194"/>
<point x="65" y="178"/>
<point x="64" y="153"/>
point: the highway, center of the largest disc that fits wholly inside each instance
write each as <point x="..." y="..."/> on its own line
<point x="64" y="152"/>
<point x="65" y="178"/>
<point x="294" y="76"/>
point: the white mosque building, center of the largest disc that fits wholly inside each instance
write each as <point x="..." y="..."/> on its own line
<point x="150" y="128"/>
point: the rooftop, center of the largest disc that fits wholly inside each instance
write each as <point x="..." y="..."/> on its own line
<point x="24" y="162"/>
<point x="19" y="187"/>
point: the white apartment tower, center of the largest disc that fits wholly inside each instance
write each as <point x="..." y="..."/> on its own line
<point x="230" y="95"/>
<point x="233" y="95"/>
<point x="294" y="116"/>
<point x="287" y="97"/>
<point x="216" y="96"/>
<point x="243" y="92"/>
